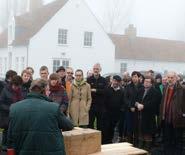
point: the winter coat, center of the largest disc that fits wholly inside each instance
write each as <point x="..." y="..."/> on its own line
<point x="35" y="127"/>
<point x="131" y="92"/>
<point x="63" y="81"/>
<point x="159" y="97"/>
<point x="7" y="97"/>
<point x="58" y="94"/>
<point x="79" y="103"/>
<point x="2" y="85"/>
<point x="98" y="97"/>
<point x="178" y="106"/>
<point x="114" y="100"/>
<point x="147" y="115"/>
<point x="25" y="88"/>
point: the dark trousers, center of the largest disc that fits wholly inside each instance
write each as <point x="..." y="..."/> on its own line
<point x="136" y="128"/>
<point x="95" y="114"/>
<point x="121" y="124"/>
<point x="111" y="119"/>
<point x="172" y="140"/>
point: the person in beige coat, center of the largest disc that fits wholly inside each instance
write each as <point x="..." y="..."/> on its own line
<point x="80" y="100"/>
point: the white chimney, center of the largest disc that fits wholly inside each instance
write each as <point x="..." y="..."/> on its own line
<point x="131" y="31"/>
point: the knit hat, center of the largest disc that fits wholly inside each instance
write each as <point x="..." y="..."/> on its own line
<point x="61" y="68"/>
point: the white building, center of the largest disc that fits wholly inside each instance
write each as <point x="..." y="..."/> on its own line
<point x="60" y="33"/>
<point x="141" y="54"/>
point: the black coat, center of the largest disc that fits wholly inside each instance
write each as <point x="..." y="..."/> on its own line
<point x="63" y="81"/>
<point x="1" y="86"/>
<point x="131" y="93"/>
<point x="148" y="113"/>
<point x="114" y="100"/>
<point x="158" y="99"/>
<point x="7" y="97"/>
<point x="98" y="97"/>
<point x="25" y="88"/>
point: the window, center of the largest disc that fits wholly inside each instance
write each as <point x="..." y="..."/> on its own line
<point x="123" y="67"/>
<point x="62" y="36"/>
<point x="56" y="64"/>
<point x="22" y="63"/>
<point x="65" y="63"/>
<point x="88" y="38"/>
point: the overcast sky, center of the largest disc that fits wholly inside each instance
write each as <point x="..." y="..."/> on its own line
<point x="152" y="18"/>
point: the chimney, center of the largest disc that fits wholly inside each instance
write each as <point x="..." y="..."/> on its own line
<point x="131" y="32"/>
<point x="35" y="4"/>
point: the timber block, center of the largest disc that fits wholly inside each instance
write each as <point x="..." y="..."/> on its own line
<point x="120" y="149"/>
<point x="82" y="141"/>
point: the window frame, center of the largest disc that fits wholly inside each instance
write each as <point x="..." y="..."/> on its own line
<point x="88" y="39"/>
<point x="62" y="36"/>
<point x="123" y="67"/>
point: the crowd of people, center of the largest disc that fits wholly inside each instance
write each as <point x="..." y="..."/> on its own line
<point x="145" y="110"/>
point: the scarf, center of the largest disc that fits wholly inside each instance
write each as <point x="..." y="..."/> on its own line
<point x="16" y="95"/>
<point x="57" y="87"/>
<point x="79" y="83"/>
<point x="167" y="110"/>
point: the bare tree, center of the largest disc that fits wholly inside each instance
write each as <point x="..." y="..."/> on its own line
<point x="117" y="14"/>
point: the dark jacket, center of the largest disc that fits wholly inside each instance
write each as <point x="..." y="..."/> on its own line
<point x="35" y="127"/>
<point x="148" y="113"/>
<point x="114" y="100"/>
<point x="25" y="88"/>
<point x="63" y="81"/>
<point x="178" y="106"/>
<point x="98" y="97"/>
<point x="7" y="97"/>
<point x="2" y="85"/>
<point x="131" y="93"/>
<point x="159" y="97"/>
<point x="58" y="94"/>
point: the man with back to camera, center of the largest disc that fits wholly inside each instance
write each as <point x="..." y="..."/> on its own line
<point x="36" y="123"/>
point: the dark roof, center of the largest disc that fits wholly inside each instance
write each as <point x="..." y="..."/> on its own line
<point x="28" y="24"/>
<point x="141" y="48"/>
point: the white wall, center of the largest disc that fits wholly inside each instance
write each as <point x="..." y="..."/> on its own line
<point x="19" y="52"/>
<point x="77" y="18"/>
<point x="3" y="64"/>
<point x="144" y="65"/>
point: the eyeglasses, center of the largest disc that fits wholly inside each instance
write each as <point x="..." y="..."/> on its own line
<point x="69" y="72"/>
<point x="78" y="75"/>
